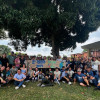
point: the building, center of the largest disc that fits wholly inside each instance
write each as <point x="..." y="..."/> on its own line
<point x="78" y="55"/>
<point x="93" y="49"/>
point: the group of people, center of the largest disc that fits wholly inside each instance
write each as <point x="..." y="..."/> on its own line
<point x="85" y="71"/>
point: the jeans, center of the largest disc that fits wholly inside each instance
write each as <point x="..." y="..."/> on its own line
<point x="19" y="84"/>
<point x="96" y="83"/>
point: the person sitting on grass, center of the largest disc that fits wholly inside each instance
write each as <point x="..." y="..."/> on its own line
<point x="35" y="75"/>
<point x="47" y="81"/>
<point x="57" y="76"/>
<point x="49" y="72"/>
<point x="3" y="73"/>
<point x="40" y="76"/>
<point x="89" y="73"/>
<point x="13" y="70"/>
<point x="2" y="81"/>
<point x="96" y="81"/>
<point x="71" y="73"/>
<point x="66" y="77"/>
<point x="29" y="74"/>
<point x="8" y="75"/>
<point x="24" y="70"/>
<point x="81" y="78"/>
<point x="19" y="79"/>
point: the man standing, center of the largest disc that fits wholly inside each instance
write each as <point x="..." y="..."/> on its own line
<point x="11" y="59"/>
<point x="4" y="61"/>
<point x="19" y="79"/>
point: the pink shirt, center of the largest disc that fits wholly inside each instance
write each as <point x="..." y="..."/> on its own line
<point x="17" y="62"/>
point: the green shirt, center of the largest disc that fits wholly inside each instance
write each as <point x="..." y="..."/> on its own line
<point x="11" y="59"/>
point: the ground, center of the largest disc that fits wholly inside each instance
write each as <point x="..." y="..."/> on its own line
<point x="62" y="92"/>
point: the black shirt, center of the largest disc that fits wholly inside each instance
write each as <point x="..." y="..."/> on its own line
<point x="72" y="64"/>
<point x="51" y="77"/>
<point x="3" y="74"/>
<point x="22" y="61"/>
<point x="4" y="61"/>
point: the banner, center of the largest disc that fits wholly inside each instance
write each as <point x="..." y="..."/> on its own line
<point x="44" y="63"/>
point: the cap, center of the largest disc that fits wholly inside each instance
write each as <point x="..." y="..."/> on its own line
<point x="79" y="70"/>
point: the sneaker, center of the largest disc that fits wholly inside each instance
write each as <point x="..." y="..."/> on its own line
<point x="69" y="83"/>
<point x="27" y="80"/>
<point x="23" y="86"/>
<point x="63" y="81"/>
<point x="16" y="87"/>
<point x="58" y="82"/>
<point x="39" y="84"/>
<point x="42" y="85"/>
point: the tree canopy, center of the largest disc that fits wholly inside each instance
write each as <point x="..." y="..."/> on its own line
<point x="58" y="23"/>
<point x="4" y="49"/>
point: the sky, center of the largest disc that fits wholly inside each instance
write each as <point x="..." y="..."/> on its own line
<point x="46" y="51"/>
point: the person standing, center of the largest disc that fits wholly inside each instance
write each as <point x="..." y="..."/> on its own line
<point x="17" y="62"/>
<point x="11" y="59"/>
<point x="4" y="61"/>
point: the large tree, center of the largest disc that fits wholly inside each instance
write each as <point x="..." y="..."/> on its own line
<point x="4" y="49"/>
<point x="58" y="23"/>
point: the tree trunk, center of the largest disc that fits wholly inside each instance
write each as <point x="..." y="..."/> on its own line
<point x="55" y="49"/>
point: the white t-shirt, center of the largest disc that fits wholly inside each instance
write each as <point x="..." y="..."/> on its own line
<point x="70" y="73"/>
<point x="57" y="73"/>
<point x="35" y="72"/>
<point x="95" y="65"/>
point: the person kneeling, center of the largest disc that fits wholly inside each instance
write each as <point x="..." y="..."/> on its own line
<point x="81" y="78"/>
<point x="19" y="79"/>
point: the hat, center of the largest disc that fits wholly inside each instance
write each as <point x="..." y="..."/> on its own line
<point x="79" y="70"/>
<point x="50" y="72"/>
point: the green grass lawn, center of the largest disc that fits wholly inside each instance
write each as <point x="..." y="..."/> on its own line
<point x="62" y="92"/>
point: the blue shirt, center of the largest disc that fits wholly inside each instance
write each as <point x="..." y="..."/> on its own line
<point x="61" y="65"/>
<point x="79" y="78"/>
<point x="19" y="77"/>
<point x="97" y="77"/>
<point x="64" y="74"/>
<point x="89" y="73"/>
<point x="0" y="63"/>
<point x="23" y="71"/>
<point x="7" y="73"/>
<point x="68" y="62"/>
